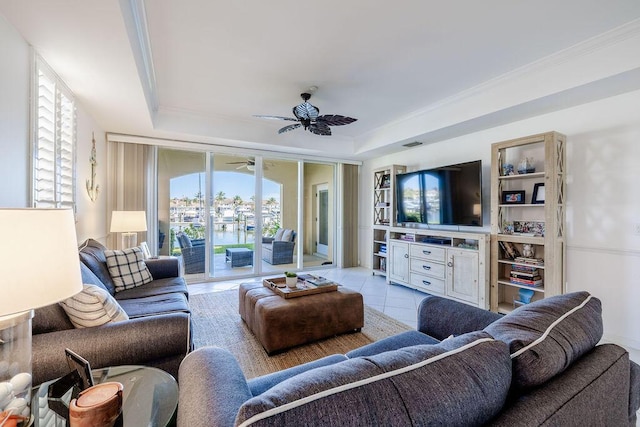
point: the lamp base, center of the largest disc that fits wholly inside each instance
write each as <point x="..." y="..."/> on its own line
<point x="129" y="240"/>
<point x="15" y="364"/>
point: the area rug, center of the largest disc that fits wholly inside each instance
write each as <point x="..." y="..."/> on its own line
<point x="216" y="322"/>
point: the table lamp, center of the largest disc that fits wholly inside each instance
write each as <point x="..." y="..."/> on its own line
<point x="128" y="223"/>
<point x="40" y="266"/>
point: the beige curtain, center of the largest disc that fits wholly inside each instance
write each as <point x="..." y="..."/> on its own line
<point x="128" y="178"/>
<point x="350" y="215"/>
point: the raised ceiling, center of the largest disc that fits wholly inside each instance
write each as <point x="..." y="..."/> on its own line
<point x="198" y="70"/>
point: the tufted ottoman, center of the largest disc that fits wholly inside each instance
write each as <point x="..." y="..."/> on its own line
<point x="280" y="323"/>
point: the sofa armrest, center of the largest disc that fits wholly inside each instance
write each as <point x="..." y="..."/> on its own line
<point x="442" y="317"/>
<point x="163" y="268"/>
<point x="267" y="239"/>
<point x="132" y="342"/>
<point x="212" y="388"/>
<point x="197" y="242"/>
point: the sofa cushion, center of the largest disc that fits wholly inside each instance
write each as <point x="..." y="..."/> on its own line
<point x="50" y="318"/>
<point x="154" y="305"/>
<point x="278" y="235"/>
<point x="184" y="240"/>
<point x="92" y="255"/>
<point x="157" y="287"/>
<point x="127" y="268"/>
<point x="546" y="336"/>
<point x="93" y="306"/>
<point x="287" y="235"/>
<point x="410" y="386"/>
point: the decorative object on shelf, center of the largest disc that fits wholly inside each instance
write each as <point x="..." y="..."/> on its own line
<point x="513" y="197"/>
<point x="92" y="187"/>
<point x="528" y="250"/>
<point x="508" y="169"/>
<point x="529" y="228"/>
<point x="526" y="165"/>
<point x="128" y="223"/>
<point x="25" y="288"/>
<point x="386" y="181"/>
<point x="538" y="193"/>
<point x="507" y="227"/>
<point x="525" y="295"/>
<point x="509" y="251"/>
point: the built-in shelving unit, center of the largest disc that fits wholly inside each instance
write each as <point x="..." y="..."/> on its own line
<point x="384" y="213"/>
<point x="527" y="220"/>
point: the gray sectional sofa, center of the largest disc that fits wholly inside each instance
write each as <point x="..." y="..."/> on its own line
<point x="158" y="332"/>
<point x="540" y="365"/>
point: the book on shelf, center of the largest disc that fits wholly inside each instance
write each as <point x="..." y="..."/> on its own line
<point x="509" y="250"/>
<point x="525" y="282"/>
<point x="532" y="261"/>
<point x="524" y="268"/>
<point x="525" y="275"/>
<point x="408" y="237"/>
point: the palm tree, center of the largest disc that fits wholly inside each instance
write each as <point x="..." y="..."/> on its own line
<point x="237" y="200"/>
<point x="270" y="202"/>
<point x="218" y="200"/>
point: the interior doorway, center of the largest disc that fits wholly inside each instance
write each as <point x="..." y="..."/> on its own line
<point x="322" y="220"/>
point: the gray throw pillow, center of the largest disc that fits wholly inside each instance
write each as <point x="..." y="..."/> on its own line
<point x="547" y="336"/>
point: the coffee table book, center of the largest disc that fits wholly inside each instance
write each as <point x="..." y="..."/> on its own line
<point x="303" y="288"/>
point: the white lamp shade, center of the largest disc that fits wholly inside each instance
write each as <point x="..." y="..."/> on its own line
<point x="128" y="221"/>
<point x="40" y="264"/>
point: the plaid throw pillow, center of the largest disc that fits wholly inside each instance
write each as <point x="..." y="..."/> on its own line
<point x="127" y="268"/>
<point x="93" y="306"/>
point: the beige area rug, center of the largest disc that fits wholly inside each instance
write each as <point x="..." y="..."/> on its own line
<point x="216" y="322"/>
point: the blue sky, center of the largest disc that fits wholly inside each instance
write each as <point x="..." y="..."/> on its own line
<point x="230" y="183"/>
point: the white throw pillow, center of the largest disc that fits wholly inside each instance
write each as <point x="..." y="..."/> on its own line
<point x="127" y="268"/>
<point x="93" y="306"/>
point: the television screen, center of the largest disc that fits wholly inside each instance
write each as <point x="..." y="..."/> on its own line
<point x="448" y="195"/>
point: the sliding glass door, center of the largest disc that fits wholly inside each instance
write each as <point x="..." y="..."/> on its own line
<point x="221" y="213"/>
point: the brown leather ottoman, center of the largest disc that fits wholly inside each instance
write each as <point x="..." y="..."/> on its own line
<point x="280" y="323"/>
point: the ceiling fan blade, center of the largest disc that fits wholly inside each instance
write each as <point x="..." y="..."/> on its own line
<point x="291" y="119"/>
<point x="306" y="111"/>
<point x="336" y="119"/>
<point x="243" y="166"/>
<point x="289" y="127"/>
<point x="236" y="163"/>
<point x="320" y="129"/>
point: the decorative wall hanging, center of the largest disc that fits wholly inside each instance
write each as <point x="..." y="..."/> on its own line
<point x="92" y="187"/>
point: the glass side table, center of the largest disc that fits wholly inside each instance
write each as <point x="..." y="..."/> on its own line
<point x="150" y="397"/>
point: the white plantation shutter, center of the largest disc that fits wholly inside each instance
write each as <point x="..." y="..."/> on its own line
<point x="54" y="141"/>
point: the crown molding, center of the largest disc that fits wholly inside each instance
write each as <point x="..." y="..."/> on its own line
<point x="606" y="40"/>
<point x="135" y="19"/>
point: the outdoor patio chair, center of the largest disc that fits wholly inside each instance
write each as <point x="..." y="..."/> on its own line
<point x="192" y="253"/>
<point x="279" y="248"/>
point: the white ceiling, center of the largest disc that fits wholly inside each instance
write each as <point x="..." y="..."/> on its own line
<point x="198" y="70"/>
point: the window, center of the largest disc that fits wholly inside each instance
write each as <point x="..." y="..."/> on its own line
<point x="54" y="140"/>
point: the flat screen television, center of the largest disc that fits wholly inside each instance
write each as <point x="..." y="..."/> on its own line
<point x="447" y="195"/>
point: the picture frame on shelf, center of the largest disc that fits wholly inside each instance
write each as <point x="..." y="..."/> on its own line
<point x="386" y="181"/>
<point x="513" y="197"/>
<point x="538" y="194"/>
<point x="509" y="250"/>
<point x="529" y="228"/>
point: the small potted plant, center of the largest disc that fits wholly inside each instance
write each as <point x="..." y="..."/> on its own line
<point x="291" y="279"/>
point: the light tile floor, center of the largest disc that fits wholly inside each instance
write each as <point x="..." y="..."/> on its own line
<point x="396" y="301"/>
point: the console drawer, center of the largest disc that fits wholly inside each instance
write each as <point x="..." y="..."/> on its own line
<point x="428" y="252"/>
<point x="429" y="284"/>
<point x="432" y="269"/>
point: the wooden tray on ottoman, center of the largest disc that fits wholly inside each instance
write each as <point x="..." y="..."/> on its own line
<point x="304" y="288"/>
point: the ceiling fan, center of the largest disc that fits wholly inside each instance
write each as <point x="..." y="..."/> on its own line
<point x="250" y="164"/>
<point x="308" y="117"/>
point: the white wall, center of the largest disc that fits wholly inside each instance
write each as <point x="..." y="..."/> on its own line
<point x="14" y="117"/>
<point x="603" y="198"/>
<point x="15" y="145"/>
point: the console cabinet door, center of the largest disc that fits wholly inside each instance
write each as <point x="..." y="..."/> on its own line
<point x="462" y="275"/>
<point x="399" y="256"/>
